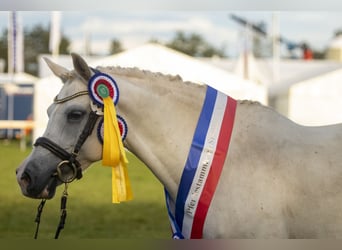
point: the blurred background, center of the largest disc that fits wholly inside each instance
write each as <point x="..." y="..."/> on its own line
<point x="290" y="61"/>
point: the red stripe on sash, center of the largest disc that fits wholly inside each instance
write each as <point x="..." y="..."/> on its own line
<point x="215" y="170"/>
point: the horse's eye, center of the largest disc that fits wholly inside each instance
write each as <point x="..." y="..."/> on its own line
<point x="75" y="115"/>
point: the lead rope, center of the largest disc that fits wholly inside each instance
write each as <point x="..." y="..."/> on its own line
<point x="37" y="220"/>
<point x="63" y="213"/>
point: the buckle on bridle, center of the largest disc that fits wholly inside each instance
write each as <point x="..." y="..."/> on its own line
<point x="66" y="178"/>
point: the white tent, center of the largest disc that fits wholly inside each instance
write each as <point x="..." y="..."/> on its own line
<point x="334" y="51"/>
<point x="317" y="101"/>
<point x="308" y="92"/>
<point x="44" y="92"/>
<point x="158" y="58"/>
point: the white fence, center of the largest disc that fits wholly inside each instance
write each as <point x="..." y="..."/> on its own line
<point x="18" y="124"/>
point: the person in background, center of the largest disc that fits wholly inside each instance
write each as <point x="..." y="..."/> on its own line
<point x="307" y="52"/>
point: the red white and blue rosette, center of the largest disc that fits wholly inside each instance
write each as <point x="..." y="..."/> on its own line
<point x="100" y="83"/>
<point x="122" y="127"/>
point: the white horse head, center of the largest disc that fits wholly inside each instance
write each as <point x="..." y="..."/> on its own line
<point x="67" y="118"/>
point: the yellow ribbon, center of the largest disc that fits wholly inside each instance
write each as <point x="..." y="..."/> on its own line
<point x="114" y="154"/>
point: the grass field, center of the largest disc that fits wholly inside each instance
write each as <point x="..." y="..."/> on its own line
<point x="91" y="214"/>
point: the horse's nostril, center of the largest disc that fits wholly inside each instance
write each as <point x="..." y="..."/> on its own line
<point x="26" y="177"/>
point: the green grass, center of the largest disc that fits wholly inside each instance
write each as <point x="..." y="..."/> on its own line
<point x="91" y="214"/>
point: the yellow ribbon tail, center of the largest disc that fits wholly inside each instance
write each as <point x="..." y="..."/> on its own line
<point x="114" y="154"/>
<point x="121" y="187"/>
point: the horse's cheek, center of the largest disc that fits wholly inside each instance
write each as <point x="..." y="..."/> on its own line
<point x="91" y="150"/>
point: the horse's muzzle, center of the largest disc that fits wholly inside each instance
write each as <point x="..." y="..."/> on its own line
<point x="36" y="187"/>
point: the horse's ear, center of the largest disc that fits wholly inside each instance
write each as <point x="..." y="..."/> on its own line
<point x="81" y="66"/>
<point x="58" y="70"/>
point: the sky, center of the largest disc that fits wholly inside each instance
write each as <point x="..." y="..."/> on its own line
<point x="135" y="27"/>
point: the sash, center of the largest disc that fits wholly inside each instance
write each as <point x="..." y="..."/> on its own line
<point x="203" y="166"/>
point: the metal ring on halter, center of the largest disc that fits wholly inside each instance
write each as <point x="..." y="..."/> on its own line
<point x="72" y="166"/>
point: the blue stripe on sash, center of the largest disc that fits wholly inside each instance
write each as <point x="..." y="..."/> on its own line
<point x="194" y="154"/>
<point x="177" y="234"/>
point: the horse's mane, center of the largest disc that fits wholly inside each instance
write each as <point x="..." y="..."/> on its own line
<point x="176" y="79"/>
<point x="139" y="73"/>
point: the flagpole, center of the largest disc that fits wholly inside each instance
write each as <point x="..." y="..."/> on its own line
<point x="275" y="48"/>
<point x="55" y="33"/>
<point x="10" y="42"/>
<point x="11" y="38"/>
<point x="19" y="59"/>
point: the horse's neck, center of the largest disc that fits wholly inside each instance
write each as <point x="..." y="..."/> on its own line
<point x="161" y="117"/>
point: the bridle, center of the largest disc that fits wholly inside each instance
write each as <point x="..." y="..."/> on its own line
<point x="68" y="160"/>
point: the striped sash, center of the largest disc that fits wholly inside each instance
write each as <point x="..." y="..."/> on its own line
<point x="203" y="166"/>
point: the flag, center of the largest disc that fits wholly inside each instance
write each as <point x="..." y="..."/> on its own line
<point x="55" y="32"/>
<point x="15" y="44"/>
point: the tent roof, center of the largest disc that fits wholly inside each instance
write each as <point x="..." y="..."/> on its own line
<point x="293" y="72"/>
<point x="336" y="42"/>
<point x="290" y="71"/>
<point x="158" y="58"/>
